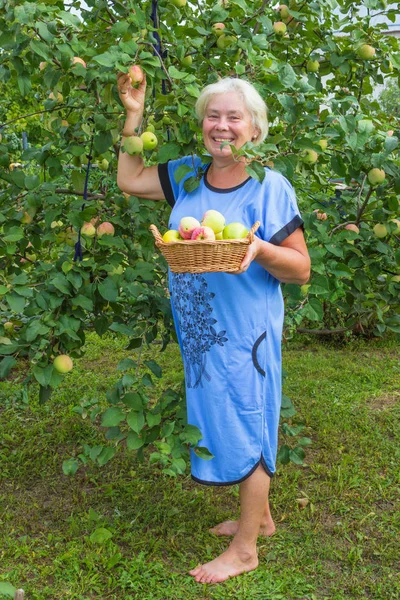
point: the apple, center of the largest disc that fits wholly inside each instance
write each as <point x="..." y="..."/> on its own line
<point x="279" y="27"/>
<point x="219" y="236"/>
<point x="77" y="60"/>
<point x="309" y="156"/>
<point x="323" y="144"/>
<point x="203" y="233"/>
<point x="42" y="65"/>
<point x="376" y="176"/>
<point x="213" y="219"/>
<point x="268" y="62"/>
<point x="396" y="278"/>
<point x="397" y="230"/>
<point x="218" y="28"/>
<point x="179" y="3"/>
<point x="88" y="229"/>
<point x="186" y="227"/>
<point x="104" y="164"/>
<point x="26" y="218"/>
<point x="150" y="127"/>
<point x="63" y="363"/>
<point x="387" y="66"/>
<point x="380" y="230"/>
<point x="390" y="132"/>
<point x="55" y="224"/>
<point x="136" y="73"/>
<point x="133" y="145"/>
<point x="105" y="228"/>
<point x="187" y="61"/>
<point x="321" y="216"/>
<point x="352" y="227"/>
<point x="59" y="97"/>
<point x="64" y="123"/>
<point x="366" y="52"/>
<point x="284" y="11"/>
<point x="172" y="235"/>
<point x="149" y="140"/>
<point x="234" y="231"/>
<point x="224" y="41"/>
<point x="304" y="289"/>
<point x="9" y="327"/>
<point x="313" y="66"/>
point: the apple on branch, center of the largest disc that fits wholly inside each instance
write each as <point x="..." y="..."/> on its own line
<point x="280" y="28"/>
<point x="136" y="74"/>
<point x="63" y="363"/>
<point x="218" y="28"/>
<point x="149" y="140"/>
<point x="366" y="52"/>
<point x="376" y="176"/>
<point x="105" y="228"/>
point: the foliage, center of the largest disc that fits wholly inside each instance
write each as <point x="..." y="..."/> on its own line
<point x="50" y="298"/>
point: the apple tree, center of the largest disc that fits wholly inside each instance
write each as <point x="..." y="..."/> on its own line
<point x="76" y="253"/>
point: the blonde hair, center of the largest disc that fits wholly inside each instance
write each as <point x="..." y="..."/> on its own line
<point x="251" y="98"/>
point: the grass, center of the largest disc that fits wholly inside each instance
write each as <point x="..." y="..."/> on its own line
<point x="342" y="546"/>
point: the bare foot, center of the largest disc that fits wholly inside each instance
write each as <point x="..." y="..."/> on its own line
<point x="229" y="564"/>
<point x="231" y="528"/>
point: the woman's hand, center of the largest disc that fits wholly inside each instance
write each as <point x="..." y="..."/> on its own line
<point x="251" y="254"/>
<point x="131" y="97"/>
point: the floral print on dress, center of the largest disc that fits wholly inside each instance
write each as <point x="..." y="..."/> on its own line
<point x="192" y="304"/>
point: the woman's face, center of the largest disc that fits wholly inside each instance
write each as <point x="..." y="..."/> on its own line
<point x="227" y="120"/>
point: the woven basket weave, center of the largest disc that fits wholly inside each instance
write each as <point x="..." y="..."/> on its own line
<point x="203" y="256"/>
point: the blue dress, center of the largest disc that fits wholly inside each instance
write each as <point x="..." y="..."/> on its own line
<point x="229" y="329"/>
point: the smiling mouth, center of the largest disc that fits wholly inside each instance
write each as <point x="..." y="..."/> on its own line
<point x="222" y="140"/>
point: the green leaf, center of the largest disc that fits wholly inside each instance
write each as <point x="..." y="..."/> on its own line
<point x="112" y="417"/>
<point x="203" y="452"/>
<point x="44" y="394"/>
<point x="108" y="289"/>
<point x="154" y="367"/>
<point x="70" y="466"/>
<point x="6" y="365"/>
<point x="191" y="435"/>
<point x="169" y="151"/>
<point x="105" y="455"/>
<point x="101" y="325"/>
<point x="34" y="329"/>
<point x="313" y="310"/>
<point x="175" y="74"/>
<point x="14" y="234"/>
<point x="391" y="143"/>
<point x="6" y="589"/>
<point x="287" y="75"/>
<point x="133" y="441"/>
<point x="297" y="455"/>
<point x="43" y="375"/>
<point x="15" y="302"/>
<point x="191" y="184"/>
<point x="133" y="400"/>
<point x="284" y="455"/>
<point x="126" y="364"/>
<point x="135" y="420"/>
<point x="153" y="420"/>
<point x="256" y="170"/>
<point x="61" y="283"/>
<point x="103" y="141"/>
<point x="83" y="301"/>
<point x="100" y="536"/>
<point x="181" y="172"/>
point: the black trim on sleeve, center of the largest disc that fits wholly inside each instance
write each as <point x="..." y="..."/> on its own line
<point x="166" y="183"/>
<point x="287" y="230"/>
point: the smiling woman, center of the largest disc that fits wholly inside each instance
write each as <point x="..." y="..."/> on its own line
<point x="229" y="327"/>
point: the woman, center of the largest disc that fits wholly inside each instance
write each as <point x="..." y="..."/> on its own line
<point x="229" y="326"/>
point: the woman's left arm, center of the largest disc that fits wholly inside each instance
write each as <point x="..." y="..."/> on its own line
<point x="289" y="262"/>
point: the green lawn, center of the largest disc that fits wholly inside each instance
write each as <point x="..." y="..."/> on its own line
<point x="342" y="546"/>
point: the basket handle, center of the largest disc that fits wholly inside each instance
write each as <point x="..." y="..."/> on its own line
<point x="157" y="234"/>
<point x="250" y="235"/>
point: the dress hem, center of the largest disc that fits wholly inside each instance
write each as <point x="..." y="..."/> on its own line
<point x="236" y="481"/>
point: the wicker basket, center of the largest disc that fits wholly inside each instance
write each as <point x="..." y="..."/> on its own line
<point x="203" y="256"/>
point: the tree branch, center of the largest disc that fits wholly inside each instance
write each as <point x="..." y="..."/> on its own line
<point x="325" y="331"/>
<point x="364" y="205"/>
<point x="75" y="193"/>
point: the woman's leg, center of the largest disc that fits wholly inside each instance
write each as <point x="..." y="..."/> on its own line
<point x="267" y="527"/>
<point x="241" y="556"/>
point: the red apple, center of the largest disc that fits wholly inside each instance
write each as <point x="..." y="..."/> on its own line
<point x="105" y="228"/>
<point x="203" y="233"/>
<point x="136" y="74"/>
<point x="186" y="227"/>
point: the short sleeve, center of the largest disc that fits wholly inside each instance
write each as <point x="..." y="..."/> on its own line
<point x="166" y="173"/>
<point x="281" y="216"/>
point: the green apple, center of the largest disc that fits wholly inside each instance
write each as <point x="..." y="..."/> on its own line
<point x="366" y="52"/>
<point x="213" y="219"/>
<point x="380" y="230"/>
<point x="187" y="61"/>
<point x="9" y="327"/>
<point x="104" y="164"/>
<point x="234" y="231"/>
<point x="268" y="62"/>
<point x="397" y="230"/>
<point x="280" y="28"/>
<point x="88" y="229"/>
<point x="136" y="74"/>
<point x="283" y="11"/>
<point x="150" y="127"/>
<point x="219" y="236"/>
<point x="313" y="66"/>
<point x="387" y="66"/>
<point x="26" y="218"/>
<point x="63" y="363"/>
<point x="172" y="235"/>
<point x="179" y="3"/>
<point x="149" y="140"/>
<point x="304" y="289"/>
<point x="224" y="41"/>
<point x="376" y="176"/>
<point x="133" y="145"/>
<point x="218" y="28"/>
<point x="309" y="156"/>
<point x="323" y="144"/>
